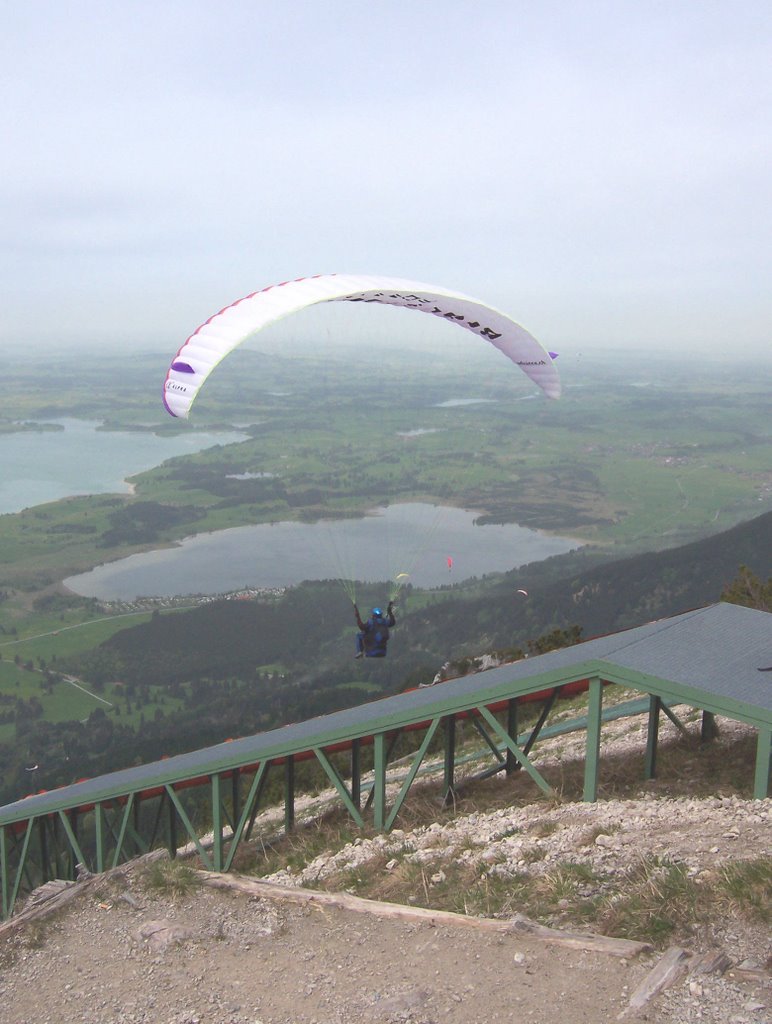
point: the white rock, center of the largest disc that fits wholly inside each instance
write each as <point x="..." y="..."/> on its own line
<point x="605" y="841"/>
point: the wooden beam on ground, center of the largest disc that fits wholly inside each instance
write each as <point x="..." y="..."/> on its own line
<point x="668" y="970"/>
<point x="517" y="925"/>
<point x="73" y="891"/>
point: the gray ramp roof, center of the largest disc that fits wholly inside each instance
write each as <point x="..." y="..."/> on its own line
<point x="717" y="650"/>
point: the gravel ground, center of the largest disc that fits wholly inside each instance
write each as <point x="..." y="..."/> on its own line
<point x="122" y="953"/>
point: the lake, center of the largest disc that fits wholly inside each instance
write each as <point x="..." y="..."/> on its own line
<point x="41" y="466"/>
<point x="413" y="538"/>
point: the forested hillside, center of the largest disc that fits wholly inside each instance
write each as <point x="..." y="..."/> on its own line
<point x="625" y="593"/>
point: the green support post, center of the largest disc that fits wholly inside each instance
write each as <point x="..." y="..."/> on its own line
<point x="340" y="786"/>
<point x="708" y="728"/>
<point x="55" y="847"/>
<point x="412" y="773"/>
<point x="289" y="793"/>
<point x="388" y="751"/>
<point x="674" y="718"/>
<point x="448" y="787"/>
<point x="536" y="731"/>
<point x="763" y="754"/>
<point x="255" y="795"/>
<point x="4" y="871"/>
<point x="490" y="743"/>
<point x="127" y="812"/>
<point x="73" y="817"/>
<point x="22" y="865"/>
<point x="356" y="773"/>
<point x="176" y="806"/>
<point x="236" y="795"/>
<point x="520" y="756"/>
<point x="99" y="835"/>
<point x="45" y="872"/>
<point x="592" y="754"/>
<point x="172" y="819"/>
<point x="217" y="822"/>
<point x="74" y="844"/>
<point x="161" y="802"/>
<point x="249" y="811"/>
<point x="652" y="737"/>
<point x="379" y="781"/>
<point x="512" y="730"/>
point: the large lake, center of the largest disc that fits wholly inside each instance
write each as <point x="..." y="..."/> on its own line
<point x="41" y="466"/>
<point x="412" y="538"/>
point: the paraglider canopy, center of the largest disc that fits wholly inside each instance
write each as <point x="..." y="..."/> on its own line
<point x="223" y="331"/>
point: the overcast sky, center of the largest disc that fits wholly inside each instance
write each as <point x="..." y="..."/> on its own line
<point x="599" y="170"/>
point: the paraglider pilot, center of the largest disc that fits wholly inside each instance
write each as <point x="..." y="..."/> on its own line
<point x="373" y="635"/>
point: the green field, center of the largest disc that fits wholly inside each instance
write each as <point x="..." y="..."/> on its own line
<point x="613" y="463"/>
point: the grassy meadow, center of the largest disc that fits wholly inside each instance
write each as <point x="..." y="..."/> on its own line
<point x="637" y="455"/>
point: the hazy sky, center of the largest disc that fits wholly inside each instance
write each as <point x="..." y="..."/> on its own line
<point x="600" y="170"/>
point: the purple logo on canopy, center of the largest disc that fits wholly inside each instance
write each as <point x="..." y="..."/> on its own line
<point x="182" y="367"/>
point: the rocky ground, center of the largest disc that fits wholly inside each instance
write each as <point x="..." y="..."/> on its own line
<point x="123" y="951"/>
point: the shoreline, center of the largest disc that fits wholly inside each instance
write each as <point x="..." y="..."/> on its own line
<point x="222" y="560"/>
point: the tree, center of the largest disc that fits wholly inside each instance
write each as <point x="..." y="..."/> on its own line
<point x="556" y="639"/>
<point x="748" y="590"/>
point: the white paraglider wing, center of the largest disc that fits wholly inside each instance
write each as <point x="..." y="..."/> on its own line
<point x="221" y="333"/>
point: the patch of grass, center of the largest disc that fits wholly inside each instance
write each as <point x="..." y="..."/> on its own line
<point x="171" y="878"/>
<point x="588" y="838"/>
<point x="652" y="901"/>
<point x="543" y="828"/>
<point x="564" y="880"/>
<point x="295" y="850"/>
<point x="374" y="881"/>
<point x="534" y="854"/>
<point x="745" y="887"/>
<point x="491" y="895"/>
<point x="658" y="901"/>
<point x="558" y="894"/>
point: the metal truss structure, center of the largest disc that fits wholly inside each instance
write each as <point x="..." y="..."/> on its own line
<point x="100" y="823"/>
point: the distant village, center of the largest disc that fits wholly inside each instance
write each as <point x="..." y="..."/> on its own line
<point x="149" y="604"/>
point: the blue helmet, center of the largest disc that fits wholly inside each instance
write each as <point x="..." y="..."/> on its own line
<point x="377" y="613"/>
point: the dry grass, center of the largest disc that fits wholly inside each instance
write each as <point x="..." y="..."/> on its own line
<point x="745" y="887"/>
<point x="657" y="900"/>
<point x="171" y="878"/>
<point x="652" y="901"/>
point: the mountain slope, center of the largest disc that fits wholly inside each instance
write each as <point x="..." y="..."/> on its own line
<point x="610" y="597"/>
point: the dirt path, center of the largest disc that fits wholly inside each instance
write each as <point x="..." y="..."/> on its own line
<point x="123" y="953"/>
<point x="240" y="960"/>
<point x="120" y="953"/>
